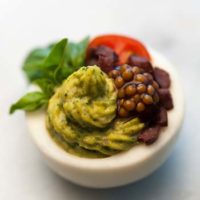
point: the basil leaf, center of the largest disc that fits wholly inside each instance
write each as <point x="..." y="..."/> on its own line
<point x="30" y="102"/>
<point x="36" y="56"/>
<point x="76" y="53"/>
<point x="46" y="85"/>
<point x="48" y="67"/>
<point x="41" y="63"/>
<point x="33" y="63"/>
<point x="61" y="73"/>
<point x="56" y="56"/>
<point x="74" y="58"/>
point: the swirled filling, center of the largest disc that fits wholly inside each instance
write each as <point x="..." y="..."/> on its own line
<point x="81" y="116"/>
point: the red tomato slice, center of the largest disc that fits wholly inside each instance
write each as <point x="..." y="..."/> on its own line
<point x="122" y="45"/>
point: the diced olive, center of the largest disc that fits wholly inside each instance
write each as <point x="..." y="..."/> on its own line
<point x="102" y="56"/>
<point x="149" y="135"/>
<point x="162" y="77"/>
<point x="166" y="98"/>
<point x="161" y="117"/>
<point x="142" y="62"/>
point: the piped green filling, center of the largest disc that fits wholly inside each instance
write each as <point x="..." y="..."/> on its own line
<point x="81" y="116"/>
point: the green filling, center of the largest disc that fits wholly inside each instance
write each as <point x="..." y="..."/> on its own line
<point x="81" y="116"/>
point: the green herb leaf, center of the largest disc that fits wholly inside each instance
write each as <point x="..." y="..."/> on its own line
<point x="74" y="59"/>
<point x="61" y="73"/>
<point x="41" y="63"/>
<point x="33" y="63"/>
<point x="56" y="56"/>
<point x="76" y="53"/>
<point x="46" y="85"/>
<point x="48" y="67"/>
<point x="30" y="102"/>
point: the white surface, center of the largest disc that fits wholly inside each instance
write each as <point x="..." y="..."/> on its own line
<point x="119" y="169"/>
<point x="172" y="27"/>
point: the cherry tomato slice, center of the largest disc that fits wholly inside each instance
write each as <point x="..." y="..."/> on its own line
<point x="124" y="46"/>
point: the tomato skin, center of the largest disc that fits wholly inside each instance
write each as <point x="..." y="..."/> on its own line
<point x="122" y="45"/>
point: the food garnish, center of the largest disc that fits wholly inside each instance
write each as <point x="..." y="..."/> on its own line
<point x="137" y="89"/>
<point x="123" y="46"/>
<point x="101" y="96"/>
<point x="82" y="112"/>
<point x="47" y="68"/>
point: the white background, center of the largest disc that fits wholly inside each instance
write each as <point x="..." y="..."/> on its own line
<point x="171" y="26"/>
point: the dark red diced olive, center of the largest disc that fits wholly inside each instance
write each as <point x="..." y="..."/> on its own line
<point x="141" y="62"/>
<point x="149" y="114"/>
<point x="161" y="117"/>
<point x="103" y="57"/>
<point x="165" y="98"/>
<point x="162" y="77"/>
<point x="92" y="62"/>
<point x="149" y="135"/>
